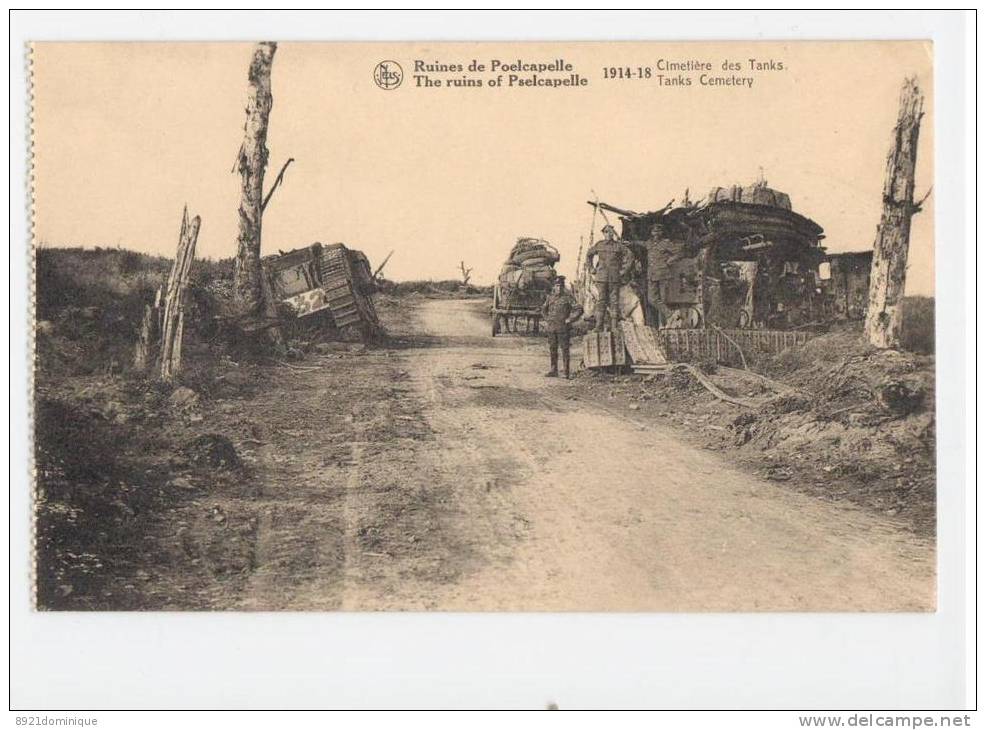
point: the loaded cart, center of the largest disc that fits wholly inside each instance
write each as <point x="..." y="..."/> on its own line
<point x="525" y="280"/>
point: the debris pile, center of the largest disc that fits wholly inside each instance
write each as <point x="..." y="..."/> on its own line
<point x="837" y="418"/>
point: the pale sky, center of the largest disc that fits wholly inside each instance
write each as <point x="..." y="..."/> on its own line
<point x="126" y="134"/>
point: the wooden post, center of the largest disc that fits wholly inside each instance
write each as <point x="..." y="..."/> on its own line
<point x="883" y="314"/>
<point x="145" y="340"/>
<point x="148" y="341"/>
<point x="174" y="305"/>
<point x="251" y="163"/>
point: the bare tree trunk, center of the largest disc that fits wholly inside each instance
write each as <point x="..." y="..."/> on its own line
<point x="883" y="314"/>
<point x="251" y="164"/>
<point x="174" y="304"/>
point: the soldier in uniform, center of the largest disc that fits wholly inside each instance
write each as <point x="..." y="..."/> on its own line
<point x="661" y="251"/>
<point x="613" y="262"/>
<point x="560" y="311"/>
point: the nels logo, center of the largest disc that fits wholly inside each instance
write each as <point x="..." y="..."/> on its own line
<point x="388" y="75"/>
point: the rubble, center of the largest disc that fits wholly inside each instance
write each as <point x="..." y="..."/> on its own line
<point x="183" y="399"/>
<point x="898" y="397"/>
<point x="840" y="419"/>
<point x="212" y="450"/>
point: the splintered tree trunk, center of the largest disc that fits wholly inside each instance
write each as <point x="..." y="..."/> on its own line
<point x="143" y="353"/>
<point x="173" y="320"/>
<point x="148" y="340"/>
<point x="883" y="314"/>
<point x="251" y="163"/>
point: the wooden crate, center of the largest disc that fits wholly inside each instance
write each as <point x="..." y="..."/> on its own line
<point x="603" y="349"/>
<point x="642" y="344"/>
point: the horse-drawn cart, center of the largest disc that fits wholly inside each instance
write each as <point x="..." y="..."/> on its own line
<point x="524" y="282"/>
<point x="513" y="318"/>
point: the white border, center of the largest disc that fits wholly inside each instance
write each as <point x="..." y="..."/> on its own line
<point x="104" y="661"/>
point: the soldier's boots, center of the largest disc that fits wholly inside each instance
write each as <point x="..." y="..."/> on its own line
<point x="551" y="374"/>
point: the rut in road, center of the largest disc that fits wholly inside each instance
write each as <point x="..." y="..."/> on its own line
<point x="476" y="484"/>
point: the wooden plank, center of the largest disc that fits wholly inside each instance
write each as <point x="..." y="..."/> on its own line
<point x="642" y="343"/>
<point x="619" y="348"/>
<point x="590" y="350"/>
<point x="605" y="349"/>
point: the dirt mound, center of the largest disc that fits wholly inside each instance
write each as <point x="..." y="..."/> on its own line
<point x="852" y="422"/>
<point x="213" y="450"/>
<point x="859" y="413"/>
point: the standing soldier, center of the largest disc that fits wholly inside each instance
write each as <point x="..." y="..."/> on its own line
<point x="661" y="251"/>
<point x="560" y="311"/>
<point x="613" y="262"/>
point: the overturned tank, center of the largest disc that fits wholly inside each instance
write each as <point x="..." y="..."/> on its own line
<point x="332" y="279"/>
<point x="524" y="282"/>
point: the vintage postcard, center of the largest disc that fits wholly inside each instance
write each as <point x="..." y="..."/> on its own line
<point x="629" y="326"/>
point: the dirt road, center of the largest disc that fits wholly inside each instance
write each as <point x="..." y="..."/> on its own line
<point x="459" y="478"/>
<point x="441" y="472"/>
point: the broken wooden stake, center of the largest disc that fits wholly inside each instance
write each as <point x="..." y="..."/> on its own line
<point x="149" y="338"/>
<point x="143" y="352"/>
<point x="277" y="181"/>
<point x="889" y="268"/>
<point x="380" y="267"/>
<point x="712" y="388"/>
<point x="172" y="323"/>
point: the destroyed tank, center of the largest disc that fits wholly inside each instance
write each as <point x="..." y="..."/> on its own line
<point x="739" y="258"/>
<point x="333" y="279"/>
<point x="524" y="282"/>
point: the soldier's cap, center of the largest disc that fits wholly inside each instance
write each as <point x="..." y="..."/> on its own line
<point x="560" y="279"/>
<point x="608" y="227"/>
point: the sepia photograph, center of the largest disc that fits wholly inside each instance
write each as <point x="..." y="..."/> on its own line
<point x="492" y="360"/>
<point x="591" y="327"/>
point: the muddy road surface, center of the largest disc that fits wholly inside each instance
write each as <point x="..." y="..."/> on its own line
<point x="444" y="472"/>
<point x="587" y="509"/>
